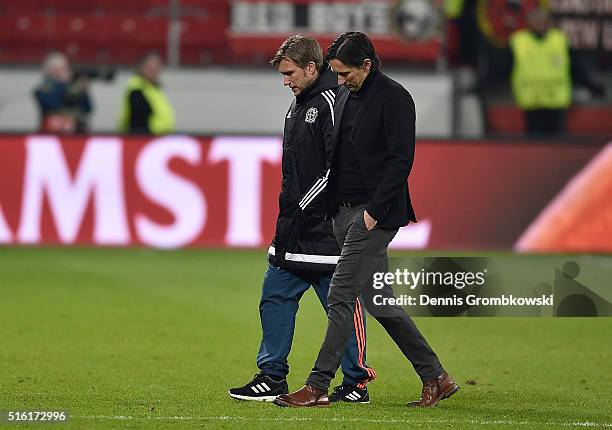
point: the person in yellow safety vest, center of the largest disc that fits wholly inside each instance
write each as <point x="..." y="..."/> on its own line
<point x="453" y="8"/>
<point x="145" y="109"/>
<point x="541" y="76"/>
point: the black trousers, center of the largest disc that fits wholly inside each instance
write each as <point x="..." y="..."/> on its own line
<point x="545" y="122"/>
<point x="364" y="253"/>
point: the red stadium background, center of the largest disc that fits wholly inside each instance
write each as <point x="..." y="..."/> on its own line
<point x="210" y="32"/>
<point x="178" y="191"/>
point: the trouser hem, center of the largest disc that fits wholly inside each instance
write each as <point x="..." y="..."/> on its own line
<point x="431" y="375"/>
<point x="274" y="373"/>
<point x="315" y="384"/>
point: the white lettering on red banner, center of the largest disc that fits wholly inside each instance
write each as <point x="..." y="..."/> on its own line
<point x="5" y="233"/>
<point x="181" y="191"/>
<point x="98" y="178"/>
<point x="178" y="195"/>
<point x="245" y="156"/>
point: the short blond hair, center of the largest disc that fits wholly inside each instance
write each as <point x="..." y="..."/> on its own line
<point x="301" y="50"/>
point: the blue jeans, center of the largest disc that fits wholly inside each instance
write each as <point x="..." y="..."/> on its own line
<point x="281" y="293"/>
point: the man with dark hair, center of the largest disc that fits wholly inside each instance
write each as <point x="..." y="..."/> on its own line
<point x="145" y="108"/>
<point x="372" y="155"/>
<point x="304" y="251"/>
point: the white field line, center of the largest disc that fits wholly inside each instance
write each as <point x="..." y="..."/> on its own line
<point x="416" y="420"/>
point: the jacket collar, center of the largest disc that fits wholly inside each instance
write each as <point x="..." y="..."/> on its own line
<point x="326" y="81"/>
<point x="342" y="98"/>
<point x="367" y="83"/>
<point x="367" y="92"/>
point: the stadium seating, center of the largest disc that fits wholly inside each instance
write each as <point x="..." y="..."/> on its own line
<point x="109" y="31"/>
<point x="582" y="120"/>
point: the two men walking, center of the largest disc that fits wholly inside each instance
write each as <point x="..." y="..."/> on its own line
<point x="369" y="157"/>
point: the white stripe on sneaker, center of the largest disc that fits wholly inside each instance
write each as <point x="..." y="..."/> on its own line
<point x="350" y="397"/>
<point x="356" y="394"/>
<point x="254" y="388"/>
<point x="265" y="386"/>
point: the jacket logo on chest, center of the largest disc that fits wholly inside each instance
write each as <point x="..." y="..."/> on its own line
<point x="311" y="115"/>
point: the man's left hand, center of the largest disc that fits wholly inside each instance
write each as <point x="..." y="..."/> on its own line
<point x="370" y="222"/>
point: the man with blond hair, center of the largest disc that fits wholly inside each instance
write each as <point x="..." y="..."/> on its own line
<point x="304" y="251"/>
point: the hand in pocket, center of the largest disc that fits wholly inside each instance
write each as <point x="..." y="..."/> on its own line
<point x="369" y="222"/>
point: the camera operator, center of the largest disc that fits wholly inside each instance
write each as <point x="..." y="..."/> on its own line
<point x="62" y="97"/>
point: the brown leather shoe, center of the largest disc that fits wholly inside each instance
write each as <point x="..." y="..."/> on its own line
<point x="305" y="397"/>
<point x="436" y="389"/>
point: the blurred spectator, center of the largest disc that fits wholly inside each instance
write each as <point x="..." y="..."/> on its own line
<point x="542" y="74"/>
<point x="64" y="102"/>
<point x="146" y="110"/>
<point x="498" y="19"/>
<point x="543" y="70"/>
<point x="463" y="37"/>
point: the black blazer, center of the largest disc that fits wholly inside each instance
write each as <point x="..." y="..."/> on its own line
<point x="383" y="140"/>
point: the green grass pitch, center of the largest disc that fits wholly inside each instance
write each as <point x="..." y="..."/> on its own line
<point x="133" y="338"/>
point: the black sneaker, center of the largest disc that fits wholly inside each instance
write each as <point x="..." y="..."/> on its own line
<point x="262" y="389"/>
<point x="350" y="394"/>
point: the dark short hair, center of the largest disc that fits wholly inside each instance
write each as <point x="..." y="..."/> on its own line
<point x="352" y="48"/>
<point x="301" y="50"/>
<point x="148" y="55"/>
